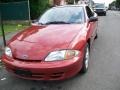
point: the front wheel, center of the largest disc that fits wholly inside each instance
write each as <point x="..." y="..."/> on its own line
<point x="86" y="59"/>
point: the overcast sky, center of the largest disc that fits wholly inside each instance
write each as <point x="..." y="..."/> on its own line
<point x="104" y="1"/>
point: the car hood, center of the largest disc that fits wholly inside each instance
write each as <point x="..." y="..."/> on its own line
<point x="36" y="42"/>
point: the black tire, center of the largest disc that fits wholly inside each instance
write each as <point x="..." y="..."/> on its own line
<point x="84" y="67"/>
<point x="105" y="14"/>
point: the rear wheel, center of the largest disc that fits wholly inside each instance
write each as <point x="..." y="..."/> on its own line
<point x="86" y="59"/>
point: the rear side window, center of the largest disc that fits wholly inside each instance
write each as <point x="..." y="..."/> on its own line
<point x="89" y="12"/>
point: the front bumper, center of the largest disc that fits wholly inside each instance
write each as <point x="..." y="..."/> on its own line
<point x="58" y="70"/>
<point x="100" y="11"/>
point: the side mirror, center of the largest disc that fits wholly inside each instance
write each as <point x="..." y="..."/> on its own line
<point x="93" y="19"/>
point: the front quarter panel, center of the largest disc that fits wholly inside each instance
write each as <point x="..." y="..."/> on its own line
<point x="80" y="40"/>
<point x="92" y="29"/>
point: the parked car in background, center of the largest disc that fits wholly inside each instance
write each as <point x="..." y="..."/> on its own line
<point x="100" y="8"/>
<point x="56" y="47"/>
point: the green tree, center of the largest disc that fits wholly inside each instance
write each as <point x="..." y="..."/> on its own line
<point x="112" y="4"/>
<point x="118" y="3"/>
<point x="38" y="7"/>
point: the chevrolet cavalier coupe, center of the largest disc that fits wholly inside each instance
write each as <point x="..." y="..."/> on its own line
<point x="55" y="47"/>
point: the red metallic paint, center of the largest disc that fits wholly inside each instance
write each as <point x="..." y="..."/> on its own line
<point x="58" y="70"/>
<point x="38" y="41"/>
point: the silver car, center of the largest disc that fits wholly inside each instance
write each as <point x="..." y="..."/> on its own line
<point x="100" y="8"/>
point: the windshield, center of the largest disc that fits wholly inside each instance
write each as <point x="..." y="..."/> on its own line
<point x="99" y="5"/>
<point x="63" y="15"/>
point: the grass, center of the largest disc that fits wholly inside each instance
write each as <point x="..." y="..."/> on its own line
<point x="10" y="28"/>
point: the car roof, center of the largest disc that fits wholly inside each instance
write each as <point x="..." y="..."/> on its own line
<point x="62" y="6"/>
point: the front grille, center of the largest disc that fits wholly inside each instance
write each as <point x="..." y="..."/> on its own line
<point x="24" y="60"/>
<point x="57" y="75"/>
<point x="29" y="74"/>
<point x="43" y="75"/>
<point x="38" y="75"/>
<point x="99" y="10"/>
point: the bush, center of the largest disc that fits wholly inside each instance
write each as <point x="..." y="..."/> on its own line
<point x="37" y="7"/>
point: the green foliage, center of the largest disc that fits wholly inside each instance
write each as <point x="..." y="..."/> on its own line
<point x="112" y="4"/>
<point x="38" y="7"/>
<point x="118" y="3"/>
<point x="115" y="3"/>
<point x="11" y="28"/>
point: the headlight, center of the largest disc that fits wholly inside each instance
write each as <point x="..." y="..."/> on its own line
<point x="62" y="55"/>
<point x="8" y="52"/>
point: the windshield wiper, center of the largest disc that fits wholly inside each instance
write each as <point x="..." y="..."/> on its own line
<point x="57" y="22"/>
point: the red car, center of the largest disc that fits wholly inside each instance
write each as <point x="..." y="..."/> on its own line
<point x="56" y="47"/>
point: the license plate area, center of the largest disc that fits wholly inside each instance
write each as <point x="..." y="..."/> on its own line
<point x="23" y="72"/>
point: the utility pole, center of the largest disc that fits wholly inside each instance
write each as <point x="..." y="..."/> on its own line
<point x="2" y="29"/>
<point x="29" y="12"/>
<point x="74" y="2"/>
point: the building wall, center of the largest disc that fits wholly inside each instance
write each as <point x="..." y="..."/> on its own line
<point x="57" y="2"/>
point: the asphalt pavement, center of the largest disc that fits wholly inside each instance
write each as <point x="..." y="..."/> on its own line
<point x="104" y="70"/>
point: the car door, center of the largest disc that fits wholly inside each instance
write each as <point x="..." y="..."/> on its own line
<point x="92" y="26"/>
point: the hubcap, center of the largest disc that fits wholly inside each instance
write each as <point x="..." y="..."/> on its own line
<point x="87" y="58"/>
